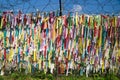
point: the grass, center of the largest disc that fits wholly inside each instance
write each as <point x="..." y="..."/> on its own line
<point x="15" y="76"/>
<point x="42" y="76"/>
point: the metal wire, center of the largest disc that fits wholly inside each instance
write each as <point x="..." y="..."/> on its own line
<point x="97" y="6"/>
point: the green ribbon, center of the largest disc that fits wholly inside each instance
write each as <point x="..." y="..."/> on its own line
<point x="47" y="54"/>
<point x="32" y="33"/>
<point x="62" y="43"/>
<point x="17" y="32"/>
<point x="53" y="54"/>
<point x="77" y="38"/>
<point x="38" y="45"/>
<point x="69" y="19"/>
<point x="86" y="22"/>
<point x="103" y="36"/>
<point x="65" y="53"/>
<point x="5" y="38"/>
<point x="99" y="20"/>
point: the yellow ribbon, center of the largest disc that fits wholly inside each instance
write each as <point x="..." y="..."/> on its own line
<point x="76" y="19"/>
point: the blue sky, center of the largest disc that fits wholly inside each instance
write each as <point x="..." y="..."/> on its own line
<point x="81" y="6"/>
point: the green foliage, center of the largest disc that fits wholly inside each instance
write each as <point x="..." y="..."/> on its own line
<point x="1" y="78"/>
<point x="111" y="76"/>
<point x="82" y="64"/>
<point x="55" y="73"/>
<point x="43" y="75"/>
<point x="50" y="77"/>
<point x="14" y="75"/>
<point x="96" y="76"/>
<point x="40" y="75"/>
<point x="21" y="70"/>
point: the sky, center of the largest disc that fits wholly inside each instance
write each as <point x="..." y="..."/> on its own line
<point x="81" y="6"/>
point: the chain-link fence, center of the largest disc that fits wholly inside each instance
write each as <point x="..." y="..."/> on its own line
<point x="81" y="6"/>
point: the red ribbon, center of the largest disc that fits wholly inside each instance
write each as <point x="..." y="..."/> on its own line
<point x="45" y="51"/>
<point x="95" y="31"/>
<point x="4" y="21"/>
<point x="25" y="19"/>
<point x="4" y="54"/>
<point x="99" y="31"/>
<point x="89" y="23"/>
<point x="12" y="38"/>
<point x="65" y="21"/>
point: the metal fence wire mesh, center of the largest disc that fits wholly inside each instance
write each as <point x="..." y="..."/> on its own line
<point x="81" y="6"/>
